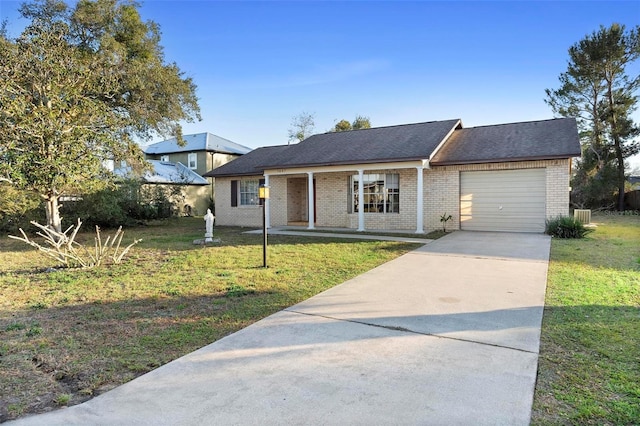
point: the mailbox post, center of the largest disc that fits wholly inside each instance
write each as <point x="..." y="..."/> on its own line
<point x="263" y="193"/>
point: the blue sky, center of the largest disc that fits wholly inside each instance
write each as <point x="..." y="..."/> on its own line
<point x="259" y="64"/>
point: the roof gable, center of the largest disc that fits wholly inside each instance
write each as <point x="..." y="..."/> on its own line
<point x="376" y="145"/>
<point x="532" y="140"/>
<point x="197" y="142"/>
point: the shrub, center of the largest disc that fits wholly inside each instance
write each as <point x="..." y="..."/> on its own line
<point x="127" y="203"/>
<point x="444" y="219"/>
<point x="63" y="247"/>
<point x="102" y="208"/>
<point x="18" y="208"/>
<point x="124" y="205"/>
<point x="566" y="227"/>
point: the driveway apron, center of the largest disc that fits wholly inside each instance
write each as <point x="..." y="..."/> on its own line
<point x="446" y="334"/>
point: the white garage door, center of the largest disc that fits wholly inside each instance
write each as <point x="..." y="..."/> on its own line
<point x="504" y="200"/>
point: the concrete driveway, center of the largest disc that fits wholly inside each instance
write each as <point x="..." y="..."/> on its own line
<point x="447" y="334"/>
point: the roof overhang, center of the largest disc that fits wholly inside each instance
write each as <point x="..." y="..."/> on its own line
<point x="504" y="160"/>
<point x="222" y="175"/>
<point x="336" y="168"/>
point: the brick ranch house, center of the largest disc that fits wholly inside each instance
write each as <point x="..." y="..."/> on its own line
<point x="507" y="177"/>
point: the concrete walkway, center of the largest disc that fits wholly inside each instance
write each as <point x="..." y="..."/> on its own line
<point x="326" y="233"/>
<point x="447" y="334"/>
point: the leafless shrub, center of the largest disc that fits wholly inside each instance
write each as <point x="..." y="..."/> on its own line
<point x="63" y="247"/>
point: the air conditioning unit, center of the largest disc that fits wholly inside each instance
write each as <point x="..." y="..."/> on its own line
<point x="583" y="216"/>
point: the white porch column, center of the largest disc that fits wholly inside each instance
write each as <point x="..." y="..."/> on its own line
<point x="311" y="203"/>
<point x="361" y="200"/>
<point x="420" y="201"/>
<point x="267" y="204"/>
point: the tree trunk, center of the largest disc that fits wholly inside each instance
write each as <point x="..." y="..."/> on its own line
<point x="53" y="213"/>
<point x="621" y="179"/>
<point x="617" y="143"/>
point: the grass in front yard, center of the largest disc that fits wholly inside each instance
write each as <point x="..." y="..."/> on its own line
<point x="589" y="364"/>
<point x="68" y="335"/>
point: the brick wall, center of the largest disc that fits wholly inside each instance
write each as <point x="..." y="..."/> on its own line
<point x="441" y="196"/>
<point x="558" y="181"/>
<point x="278" y="200"/>
<point x="234" y="216"/>
<point x="297" y="209"/>
<point x="331" y="199"/>
<point x="442" y="187"/>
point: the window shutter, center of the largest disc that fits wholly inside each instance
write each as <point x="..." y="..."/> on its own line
<point x="260" y="183"/>
<point x="234" y="193"/>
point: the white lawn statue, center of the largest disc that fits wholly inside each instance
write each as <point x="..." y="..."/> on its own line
<point x="209" y="218"/>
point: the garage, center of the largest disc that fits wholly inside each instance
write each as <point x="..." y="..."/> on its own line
<point x="503" y="200"/>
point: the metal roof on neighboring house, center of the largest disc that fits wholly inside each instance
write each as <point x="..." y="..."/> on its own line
<point x="165" y="172"/>
<point x="197" y="142"/>
<point x="532" y="140"/>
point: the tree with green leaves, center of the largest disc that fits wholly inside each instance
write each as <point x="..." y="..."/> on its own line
<point x="78" y="87"/>
<point x="342" y="126"/>
<point x="302" y="126"/>
<point x="360" y="122"/>
<point x="597" y="90"/>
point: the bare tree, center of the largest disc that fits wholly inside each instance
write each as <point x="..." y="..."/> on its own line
<point x="302" y="126"/>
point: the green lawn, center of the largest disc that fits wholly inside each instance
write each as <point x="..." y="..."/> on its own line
<point x="68" y="335"/>
<point x="589" y="365"/>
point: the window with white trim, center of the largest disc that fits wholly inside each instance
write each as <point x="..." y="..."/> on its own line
<point x="249" y="192"/>
<point x="164" y="158"/>
<point x="381" y="193"/>
<point x="192" y="160"/>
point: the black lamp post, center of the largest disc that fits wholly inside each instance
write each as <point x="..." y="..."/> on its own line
<point x="263" y="193"/>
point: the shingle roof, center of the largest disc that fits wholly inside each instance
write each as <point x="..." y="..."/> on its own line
<point x="533" y="140"/>
<point x="375" y="145"/>
<point x="251" y="163"/>
<point x="167" y="173"/>
<point x="197" y="142"/>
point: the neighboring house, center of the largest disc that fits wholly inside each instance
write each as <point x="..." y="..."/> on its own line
<point x="508" y="177"/>
<point x="632" y="197"/>
<point x="201" y="152"/>
<point x="194" y="187"/>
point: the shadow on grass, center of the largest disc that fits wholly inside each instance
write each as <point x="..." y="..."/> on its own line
<point x="129" y="338"/>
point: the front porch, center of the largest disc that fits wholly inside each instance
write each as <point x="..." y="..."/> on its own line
<point x="359" y="199"/>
